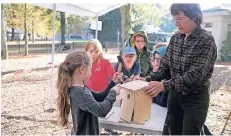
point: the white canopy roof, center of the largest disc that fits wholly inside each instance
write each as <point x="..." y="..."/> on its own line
<point x="89" y="10"/>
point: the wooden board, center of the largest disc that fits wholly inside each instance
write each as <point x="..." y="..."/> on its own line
<point x="118" y="101"/>
<point x="142" y="108"/>
<point x="134" y="85"/>
<point x="127" y="105"/>
<point x="140" y="102"/>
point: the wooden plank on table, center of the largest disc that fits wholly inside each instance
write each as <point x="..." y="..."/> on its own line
<point x="135" y="85"/>
<point x="127" y="106"/>
<point x="142" y="107"/>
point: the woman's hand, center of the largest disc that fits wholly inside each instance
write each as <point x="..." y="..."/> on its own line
<point x="154" y="88"/>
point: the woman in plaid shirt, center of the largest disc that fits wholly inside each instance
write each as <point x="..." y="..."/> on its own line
<point x="190" y="59"/>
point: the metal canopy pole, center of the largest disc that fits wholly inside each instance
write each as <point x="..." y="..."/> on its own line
<point x="96" y="31"/>
<point x="52" y="60"/>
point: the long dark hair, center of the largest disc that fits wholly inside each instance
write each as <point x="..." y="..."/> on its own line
<point x="66" y="69"/>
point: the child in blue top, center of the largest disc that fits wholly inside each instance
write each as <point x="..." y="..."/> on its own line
<point x="130" y="68"/>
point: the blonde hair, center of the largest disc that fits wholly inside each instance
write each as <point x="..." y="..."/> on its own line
<point x="96" y="43"/>
<point x="73" y="60"/>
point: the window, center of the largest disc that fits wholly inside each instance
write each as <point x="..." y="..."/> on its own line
<point x="208" y="25"/>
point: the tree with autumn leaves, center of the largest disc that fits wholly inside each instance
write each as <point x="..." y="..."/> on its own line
<point x="33" y="19"/>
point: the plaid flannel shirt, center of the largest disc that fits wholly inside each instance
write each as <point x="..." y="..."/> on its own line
<point x="190" y="62"/>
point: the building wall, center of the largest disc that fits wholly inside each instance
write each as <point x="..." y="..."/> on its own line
<point x="219" y="28"/>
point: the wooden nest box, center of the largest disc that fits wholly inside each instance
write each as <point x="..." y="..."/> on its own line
<point x="136" y="104"/>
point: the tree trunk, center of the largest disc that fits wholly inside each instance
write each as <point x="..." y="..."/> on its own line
<point x="33" y="39"/>
<point x="125" y="22"/>
<point x="4" y="50"/>
<point x="12" y="34"/>
<point x="62" y="22"/>
<point x="122" y="13"/>
<point x="25" y="31"/>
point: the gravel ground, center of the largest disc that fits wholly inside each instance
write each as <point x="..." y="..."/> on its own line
<point x="25" y="97"/>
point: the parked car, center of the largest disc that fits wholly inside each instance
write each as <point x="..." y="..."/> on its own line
<point x="158" y="39"/>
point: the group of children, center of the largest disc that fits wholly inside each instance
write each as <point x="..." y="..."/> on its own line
<point x="87" y="81"/>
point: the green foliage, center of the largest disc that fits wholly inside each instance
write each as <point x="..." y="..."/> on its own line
<point x="74" y="24"/>
<point x="42" y="18"/>
<point x="48" y="19"/>
<point x="14" y="15"/>
<point x="135" y="16"/>
<point x="142" y="14"/>
<point x="167" y="25"/>
<point x="128" y="18"/>
<point x="44" y="22"/>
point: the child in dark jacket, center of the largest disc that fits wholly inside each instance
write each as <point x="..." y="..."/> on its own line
<point x="139" y="41"/>
<point x="74" y="96"/>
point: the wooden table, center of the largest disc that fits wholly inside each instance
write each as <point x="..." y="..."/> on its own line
<point x="153" y="126"/>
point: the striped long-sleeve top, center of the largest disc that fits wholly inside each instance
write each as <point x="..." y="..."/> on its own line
<point x="87" y="106"/>
<point x="190" y="62"/>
